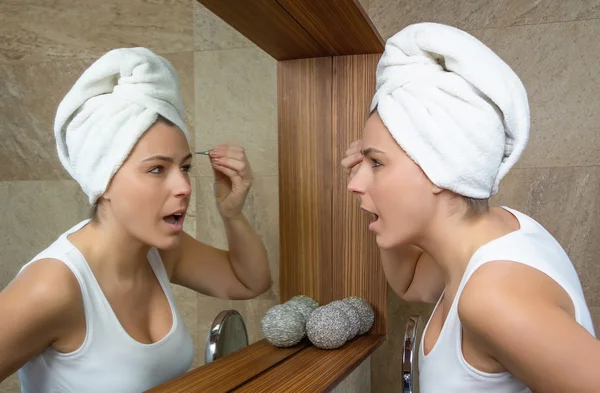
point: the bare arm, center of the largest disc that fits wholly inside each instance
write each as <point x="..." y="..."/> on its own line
<point x="247" y="255"/>
<point x="522" y="319"/>
<point x="36" y="310"/>
<point x="412" y="273"/>
<point x="241" y="273"/>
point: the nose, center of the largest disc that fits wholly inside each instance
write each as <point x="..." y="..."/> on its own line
<point x="183" y="186"/>
<point x="357" y="184"/>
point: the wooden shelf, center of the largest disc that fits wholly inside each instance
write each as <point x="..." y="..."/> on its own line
<point x="261" y="367"/>
<point x="314" y="370"/>
<point x="231" y="371"/>
<point x="300" y="29"/>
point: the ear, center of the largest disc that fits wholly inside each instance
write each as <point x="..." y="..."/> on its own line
<point x="105" y="196"/>
<point x="436" y="190"/>
<point x="102" y="199"/>
<point x="108" y="191"/>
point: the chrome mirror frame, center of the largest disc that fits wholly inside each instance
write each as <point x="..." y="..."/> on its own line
<point x="410" y="343"/>
<point x="214" y="334"/>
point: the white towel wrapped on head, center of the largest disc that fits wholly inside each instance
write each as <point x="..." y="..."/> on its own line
<point x="453" y="106"/>
<point x="109" y="108"/>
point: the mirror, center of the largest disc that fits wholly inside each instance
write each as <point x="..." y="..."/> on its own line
<point x="226" y="335"/>
<point x="229" y="89"/>
<point x="408" y="353"/>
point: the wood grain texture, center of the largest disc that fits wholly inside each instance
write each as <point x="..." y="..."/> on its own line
<point x="342" y="27"/>
<point x="299" y="29"/>
<point x="305" y="178"/>
<point x="357" y="269"/>
<point x="314" y="370"/>
<point x="231" y="371"/>
<point x="268" y="25"/>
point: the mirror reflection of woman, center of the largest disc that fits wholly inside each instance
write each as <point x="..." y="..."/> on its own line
<point x="94" y="311"/>
<point x="449" y="119"/>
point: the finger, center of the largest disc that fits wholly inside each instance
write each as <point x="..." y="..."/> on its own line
<point x="352" y="172"/>
<point x="240" y="167"/>
<point x="230" y="173"/>
<point x="353" y="149"/>
<point x="237" y="182"/>
<point x="236" y="152"/>
<point x="227" y="146"/>
<point x="230" y="163"/>
<point x="351" y="161"/>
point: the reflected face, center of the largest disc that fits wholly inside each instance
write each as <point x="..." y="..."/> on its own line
<point x="392" y="187"/>
<point x="150" y="193"/>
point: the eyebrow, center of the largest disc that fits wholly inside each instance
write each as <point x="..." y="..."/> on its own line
<point x="167" y="158"/>
<point x="369" y="150"/>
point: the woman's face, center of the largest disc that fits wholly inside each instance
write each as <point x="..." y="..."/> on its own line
<point x="150" y="193"/>
<point x="392" y="187"/>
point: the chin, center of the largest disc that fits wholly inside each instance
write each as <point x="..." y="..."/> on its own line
<point x="382" y="242"/>
<point x="388" y="242"/>
<point x="162" y="241"/>
<point x="168" y="243"/>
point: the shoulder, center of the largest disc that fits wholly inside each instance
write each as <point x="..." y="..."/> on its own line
<point x="42" y="305"/>
<point x="505" y="295"/>
<point x="47" y="288"/>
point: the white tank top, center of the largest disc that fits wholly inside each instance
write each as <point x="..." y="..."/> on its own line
<point x="109" y="360"/>
<point x="444" y="369"/>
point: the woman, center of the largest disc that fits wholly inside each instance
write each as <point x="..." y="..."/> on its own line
<point x="94" y="312"/>
<point x="449" y="120"/>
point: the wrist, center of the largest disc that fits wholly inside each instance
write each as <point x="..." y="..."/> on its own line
<point x="233" y="217"/>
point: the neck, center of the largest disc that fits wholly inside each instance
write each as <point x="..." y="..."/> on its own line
<point x="109" y="248"/>
<point x="452" y="241"/>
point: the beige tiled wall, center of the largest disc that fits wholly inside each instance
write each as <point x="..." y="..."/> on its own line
<point x="358" y="381"/>
<point x="550" y="44"/>
<point x="229" y="89"/>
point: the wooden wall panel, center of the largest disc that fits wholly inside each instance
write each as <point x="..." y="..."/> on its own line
<point x="356" y="269"/>
<point x="340" y="26"/>
<point x="267" y="24"/>
<point x="305" y="178"/>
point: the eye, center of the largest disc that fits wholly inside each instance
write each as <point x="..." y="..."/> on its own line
<point x="186" y="168"/>
<point x="375" y="163"/>
<point x="157" y="169"/>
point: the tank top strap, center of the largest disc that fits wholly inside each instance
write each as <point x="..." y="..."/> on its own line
<point x="530" y="245"/>
<point x="63" y="250"/>
<point x="497" y="250"/>
<point x="451" y="332"/>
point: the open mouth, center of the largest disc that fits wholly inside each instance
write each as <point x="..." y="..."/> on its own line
<point x="174" y="219"/>
<point x="374" y="217"/>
